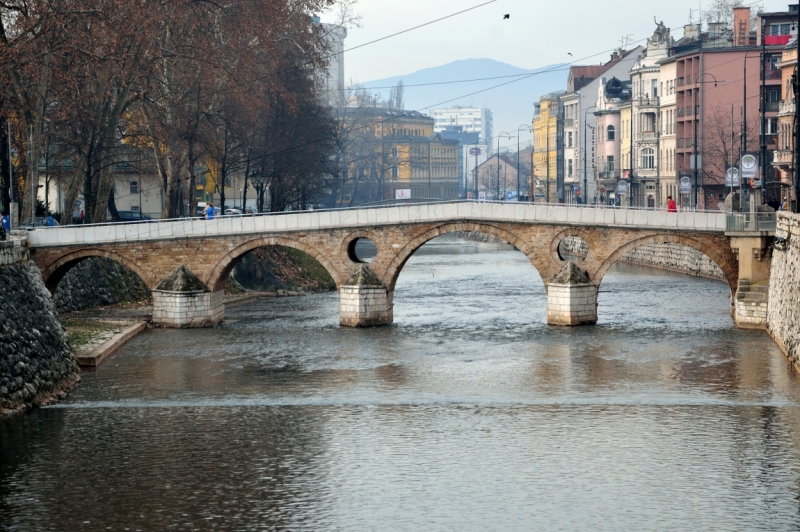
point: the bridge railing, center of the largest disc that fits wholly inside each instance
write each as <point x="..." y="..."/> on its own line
<point x="381" y="205"/>
<point x="747" y="222"/>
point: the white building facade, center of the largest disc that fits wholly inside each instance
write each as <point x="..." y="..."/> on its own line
<point x="464" y="119"/>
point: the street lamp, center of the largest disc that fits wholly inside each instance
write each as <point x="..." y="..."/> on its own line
<point x="695" y="120"/>
<point x="523" y="126"/>
<point x="509" y="136"/>
<point x="585" y="151"/>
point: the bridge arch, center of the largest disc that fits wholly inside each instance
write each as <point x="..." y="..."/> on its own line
<point x="223" y="268"/>
<point x="55" y="272"/>
<point x="392" y="272"/>
<point x="721" y="257"/>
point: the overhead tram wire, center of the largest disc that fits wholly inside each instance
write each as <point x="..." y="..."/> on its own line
<point x="408" y="113"/>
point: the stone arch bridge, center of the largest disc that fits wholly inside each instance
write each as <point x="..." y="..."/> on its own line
<point x="185" y="263"/>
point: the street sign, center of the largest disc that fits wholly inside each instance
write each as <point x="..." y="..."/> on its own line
<point x="402" y="193"/>
<point x="732" y="177"/>
<point x="749" y="166"/>
<point x="685" y="185"/>
<point x="622" y="187"/>
<point x="474" y="151"/>
<point x="482" y="195"/>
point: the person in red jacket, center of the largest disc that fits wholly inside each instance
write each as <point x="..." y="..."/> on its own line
<point x="671" y="207"/>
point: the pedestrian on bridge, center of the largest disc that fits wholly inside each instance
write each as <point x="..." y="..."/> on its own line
<point x="5" y="222"/>
<point x="671" y="206"/>
<point x="209" y="211"/>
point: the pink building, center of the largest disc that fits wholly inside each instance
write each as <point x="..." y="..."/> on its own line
<point x="718" y="87"/>
<point x="611" y="94"/>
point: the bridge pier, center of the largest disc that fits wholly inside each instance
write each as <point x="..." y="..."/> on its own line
<point x="571" y="298"/>
<point x="364" y="301"/>
<point x="752" y="292"/>
<point x="183" y="301"/>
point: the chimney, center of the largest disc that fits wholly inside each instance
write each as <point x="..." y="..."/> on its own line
<point x="691" y="31"/>
<point x="741" y="26"/>
<point x="715" y="29"/>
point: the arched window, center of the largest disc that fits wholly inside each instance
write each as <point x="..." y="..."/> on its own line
<point x="648" y="159"/>
<point x="610" y="133"/>
<point x="134" y="187"/>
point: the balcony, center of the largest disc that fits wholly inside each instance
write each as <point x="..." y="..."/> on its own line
<point x="786" y="108"/>
<point x="680" y="82"/>
<point x="680" y="111"/>
<point x="773" y="74"/>
<point x="608" y="175"/>
<point x="647" y="136"/>
<point x="772" y="107"/>
<point x="680" y="143"/>
<point x="569" y="122"/>
<point x="647" y="101"/>
<point x="783" y="158"/>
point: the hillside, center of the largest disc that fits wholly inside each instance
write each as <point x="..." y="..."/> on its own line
<point x="512" y="103"/>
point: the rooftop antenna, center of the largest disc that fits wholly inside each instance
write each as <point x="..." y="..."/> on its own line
<point x="625" y="40"/>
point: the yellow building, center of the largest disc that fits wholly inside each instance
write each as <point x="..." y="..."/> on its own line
<point x="548" y="150"/>
<point x="396" y="154"/>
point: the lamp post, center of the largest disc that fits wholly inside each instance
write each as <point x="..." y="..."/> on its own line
<point x="519" y="129"/>
<point x="744" y="119"/>
<point x="695" y="120"/>
<point x="509" y="136"/>
<point x="585" y="152"/>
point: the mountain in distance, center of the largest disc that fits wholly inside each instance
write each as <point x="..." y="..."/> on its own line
<point x="511" y="103"/>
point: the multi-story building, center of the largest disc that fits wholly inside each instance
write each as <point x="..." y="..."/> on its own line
<point x="466" y="160"/>
<point x="398" y="155"/>
<point x="646" y="89"/>
<point x="668" y="181"/>
<point x="715" y="102"/>
<point x="497" y="177"/>
<point x="784" y="154"/>
<point x="612" y="95"/>
<point x="548" y="148"/>
<point x="583" y="82"/>
<point x="469" y="119"/>
<point x="334" y="74"/>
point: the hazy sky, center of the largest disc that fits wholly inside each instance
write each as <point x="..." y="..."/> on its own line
<point x="538" y="33"/>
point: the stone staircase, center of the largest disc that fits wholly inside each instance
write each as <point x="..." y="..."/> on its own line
<point x="751" y="304"/>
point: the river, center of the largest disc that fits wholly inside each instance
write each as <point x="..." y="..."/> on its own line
<point x="470" y="413"/>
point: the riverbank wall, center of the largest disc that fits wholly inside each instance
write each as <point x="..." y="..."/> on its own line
<point x="783" y="309"/>
<point x="36" y="364"/>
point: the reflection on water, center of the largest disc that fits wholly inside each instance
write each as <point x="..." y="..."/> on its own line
<point x="469" y="413"/>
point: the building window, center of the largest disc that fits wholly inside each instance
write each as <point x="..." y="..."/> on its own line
<point x="610" y="133"/>
<point x="394" y="172"/>
<point x="134" y="187"/>
<point x="570" y="167"/>
<point x="654" y="88"/>
<point x="648" y="159"/>
<point x="394" y="152"/>
<point x="135" y="208"/>
<point x="609" y="163"/>
<point x="569" y="139"/>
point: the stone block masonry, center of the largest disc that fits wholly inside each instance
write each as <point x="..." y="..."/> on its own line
<point x="36" y="364"/>
<point x="182" y="300"/>
<point x="783" y="310"/>
<point x="364" y="301"/>
<point x="571" y="298"/>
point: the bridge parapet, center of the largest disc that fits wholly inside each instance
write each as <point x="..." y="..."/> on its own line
<point x="380" y="217"/>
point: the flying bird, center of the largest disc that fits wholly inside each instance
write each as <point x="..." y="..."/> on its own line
<point x="569" y="53"/>
<point x="506" y="16"/>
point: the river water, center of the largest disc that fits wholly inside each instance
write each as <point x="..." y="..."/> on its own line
<point x="470" y="413"/>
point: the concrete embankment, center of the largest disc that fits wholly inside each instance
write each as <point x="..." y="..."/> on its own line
<point x="783" y="311"/>
<point x="36" y="365"/>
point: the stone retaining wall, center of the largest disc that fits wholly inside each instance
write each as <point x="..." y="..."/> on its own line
<point x="664" y="256"/>
<point x="783" y="311"/>
<point x="36" y="364"/>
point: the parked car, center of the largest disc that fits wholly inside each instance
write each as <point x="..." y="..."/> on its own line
<point x="133" y="216"/>
<point x="39" y="222"/>
<point x="233" y="212"/>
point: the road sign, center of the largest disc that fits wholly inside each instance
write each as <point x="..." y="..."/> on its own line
<point x="474" y="151"/>
<point x="732" y="177"/>
<point x="622" y="187"/>
<point x="749" y="166"/>
<point x="482" y="195"/>
<point x="685" y="185"/>
<point x="402" y="193"/>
